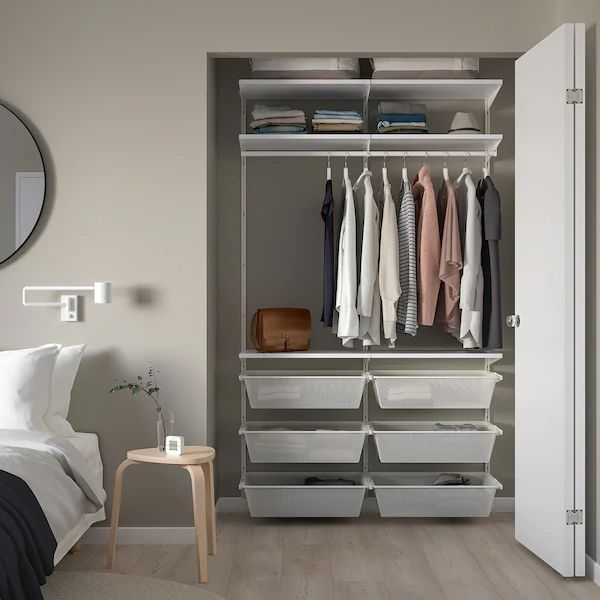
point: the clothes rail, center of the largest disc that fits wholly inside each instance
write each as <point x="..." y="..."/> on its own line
<point x="367" y="153"/>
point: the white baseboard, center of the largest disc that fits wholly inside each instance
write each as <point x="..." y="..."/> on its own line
<point x="592" y="569"/>
<point x="185" y="535"/>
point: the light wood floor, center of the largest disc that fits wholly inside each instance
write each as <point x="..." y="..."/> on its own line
<point x="365" y="559"/>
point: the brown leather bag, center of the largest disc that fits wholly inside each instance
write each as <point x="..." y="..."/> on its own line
<point x="281" y="329"/>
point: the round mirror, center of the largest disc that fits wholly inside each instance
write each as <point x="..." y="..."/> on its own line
<point x="22" y="183"/>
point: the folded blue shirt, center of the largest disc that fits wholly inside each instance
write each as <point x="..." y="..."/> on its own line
<point x="402" y="117"/>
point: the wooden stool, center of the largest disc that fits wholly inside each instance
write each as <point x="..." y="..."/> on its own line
<point x="197" y="461"/>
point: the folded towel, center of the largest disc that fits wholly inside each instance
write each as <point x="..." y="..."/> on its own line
<point x="400" y="129"/>
<point x="261" y="111"/>
<point x="402" y="117"/>
<point x="278" y="121"/>
<point x="452" y="479"/>
<point x="280" y="129"/>
<point x="337" y="120"/>
<point x="343" y="113"/>
<point x="401" y="107"/>
<point x="340" y="127"/>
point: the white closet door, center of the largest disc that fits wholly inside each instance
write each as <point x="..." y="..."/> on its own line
<point x="549" y="298"/>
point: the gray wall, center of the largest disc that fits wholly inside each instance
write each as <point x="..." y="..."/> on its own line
<point x="18" y="152"/>
<point x="117" y="93"/>
<point x="284" y="258"/>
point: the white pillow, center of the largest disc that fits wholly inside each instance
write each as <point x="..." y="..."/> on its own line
<point x="25" y="379"/>
<point x="63" y="378"/>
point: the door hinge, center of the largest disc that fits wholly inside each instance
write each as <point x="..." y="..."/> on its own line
<point x="575" y="517"/>
<point x="574" y="96"/>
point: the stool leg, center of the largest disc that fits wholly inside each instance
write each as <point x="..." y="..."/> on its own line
<point x="116" y="509"/>
<point x="198" y="495"/>
<point x="211" y="527"/>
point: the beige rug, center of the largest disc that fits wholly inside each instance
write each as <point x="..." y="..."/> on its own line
<point x="71" y="585"/>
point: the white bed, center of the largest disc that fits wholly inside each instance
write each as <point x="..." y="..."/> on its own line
<point x="65" y="474"/>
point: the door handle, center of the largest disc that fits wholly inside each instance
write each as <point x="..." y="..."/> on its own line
<point x="513" y="321"/>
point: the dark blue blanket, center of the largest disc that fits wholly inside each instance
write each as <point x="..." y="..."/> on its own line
<point x="27" y="544"/>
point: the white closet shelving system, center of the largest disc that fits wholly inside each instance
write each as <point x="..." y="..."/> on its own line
<point x="400" y="493"/>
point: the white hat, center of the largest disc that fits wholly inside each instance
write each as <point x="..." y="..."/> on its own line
<point x="464" y="122"/>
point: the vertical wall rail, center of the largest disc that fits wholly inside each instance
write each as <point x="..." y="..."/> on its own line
<point x="243" y="289"/>
<point x="365" y="403"/>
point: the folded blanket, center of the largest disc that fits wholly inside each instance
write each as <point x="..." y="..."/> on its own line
<point x="401" y="107"/>
<point x="261" y="111"/>
<point x="337" y="120"/>
<point x="27" y="544"/>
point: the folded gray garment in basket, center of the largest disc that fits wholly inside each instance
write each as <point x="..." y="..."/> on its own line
<point x="322" y="481"/>
<point x="452" y="479"/>
<point x="449" y="427"/>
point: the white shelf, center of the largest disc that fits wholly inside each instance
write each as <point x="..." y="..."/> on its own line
<point x="435" y="89"/>
<point x="304" y="89"/>
<point x="377" y="89"/>
<point x="273" y="144"/>
<point x="492" y="357"/>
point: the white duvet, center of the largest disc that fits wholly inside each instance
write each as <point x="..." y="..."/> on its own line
<point x="62" y="480"/>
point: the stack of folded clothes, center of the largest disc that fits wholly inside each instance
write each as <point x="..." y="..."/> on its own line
<point x="401" y="117"/>
<point x="277" y="119"/>
<point x="337" y="121"/>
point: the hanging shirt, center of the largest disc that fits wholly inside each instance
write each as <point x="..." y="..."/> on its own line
<point x="489" y="200"/>
<point x="328" y="257"/>
<point x="407" y="259"/>
<point x="471" y="285"/>
<point x="368" y="299"/>
<point x="345" y="300"/>
<point x="448" y="313"/>
<point x="389" y="270"/>
<point x="428" y="247"/>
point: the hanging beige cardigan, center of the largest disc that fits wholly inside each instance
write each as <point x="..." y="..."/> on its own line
<point x="428" y="247"/>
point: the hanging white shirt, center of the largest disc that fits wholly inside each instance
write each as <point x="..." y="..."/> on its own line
<point x="368" y="302"/>
<point x="389" y="267"/>
<point x="471" y="284"/>
<point x="345" y="299"/>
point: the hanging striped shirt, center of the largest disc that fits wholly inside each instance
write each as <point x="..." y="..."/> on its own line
<point x="407" y="246"/>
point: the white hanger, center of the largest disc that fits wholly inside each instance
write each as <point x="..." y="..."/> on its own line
<point x="404" y="171"/>
<point x="384" y="172"/>
<point x="465" y="171"/>
<point x="328" y="168"/>
<point x="445" y="169"/>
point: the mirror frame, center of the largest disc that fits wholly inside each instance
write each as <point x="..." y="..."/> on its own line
<point x="37" y="222"/>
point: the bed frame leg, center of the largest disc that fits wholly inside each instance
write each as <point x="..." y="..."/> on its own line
<point x="76" y="547"/>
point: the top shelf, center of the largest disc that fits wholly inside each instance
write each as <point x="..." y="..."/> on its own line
<point x="376" y="89"/>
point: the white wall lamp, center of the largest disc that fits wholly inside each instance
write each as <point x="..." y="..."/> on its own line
<point x="69" y="304"/>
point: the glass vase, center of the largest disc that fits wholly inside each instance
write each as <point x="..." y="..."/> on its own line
<point x="165" y="423"/>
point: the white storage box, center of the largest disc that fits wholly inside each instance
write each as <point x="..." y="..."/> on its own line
<point x="414" y="495"/>
<point x="421" y="442"/>
<point x="305" y="68"/>
<point x="286" y="495"/>
<point x="425" y="68"/>
<point x="308" y="442"/>
<point x="280" y="389"/>
<point x="435" y="389"/>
